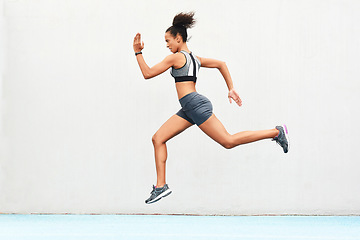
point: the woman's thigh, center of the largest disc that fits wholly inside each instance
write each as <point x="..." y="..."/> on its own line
<point x="216" y="130"/>
<point x="172" y="127"/>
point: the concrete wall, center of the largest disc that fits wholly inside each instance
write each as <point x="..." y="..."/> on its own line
<point x="76" y="116"/>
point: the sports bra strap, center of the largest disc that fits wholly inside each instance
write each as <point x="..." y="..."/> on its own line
<point x="194" y="65"/>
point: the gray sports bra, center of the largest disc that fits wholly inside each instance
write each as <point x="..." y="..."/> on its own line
<point x="187" y="72"/>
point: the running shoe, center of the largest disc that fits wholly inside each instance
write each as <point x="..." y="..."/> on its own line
<point x="282" y="138"/>
<point x="158" y="193"/>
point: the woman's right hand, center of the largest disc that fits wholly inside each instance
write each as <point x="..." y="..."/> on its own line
<point x="138" y="45"/>
<point x="235" y="96"/>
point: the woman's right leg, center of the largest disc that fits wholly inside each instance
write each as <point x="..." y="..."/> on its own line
<point x="172" y="127"/>
<point x="216" y="130"/>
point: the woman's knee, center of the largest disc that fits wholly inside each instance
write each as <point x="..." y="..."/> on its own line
<point x="157" y="140"/>
<point x="228" y="142"/>
<point x="228" y="145"/>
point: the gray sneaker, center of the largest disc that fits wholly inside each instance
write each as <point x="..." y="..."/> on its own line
<point x="158" y="193"/>
<point x="283" y="138"/>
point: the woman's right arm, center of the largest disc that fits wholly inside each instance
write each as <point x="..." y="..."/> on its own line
<point x="213" y="63"/>
<point x="221" y="66"/>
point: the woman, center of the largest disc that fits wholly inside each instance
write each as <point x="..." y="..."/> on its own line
<point x="196" y="109"/>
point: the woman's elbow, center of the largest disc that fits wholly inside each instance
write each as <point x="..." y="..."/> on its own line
<point x="221" y="65"/>
<point x="147" y="76"/>
<point x="150" y="74"/>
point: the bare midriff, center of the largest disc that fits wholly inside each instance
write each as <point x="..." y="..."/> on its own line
<point x="184" y="88"/>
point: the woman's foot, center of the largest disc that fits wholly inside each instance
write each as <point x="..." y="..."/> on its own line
<point x="158" y="193"/>
<point x="282" y="138"/>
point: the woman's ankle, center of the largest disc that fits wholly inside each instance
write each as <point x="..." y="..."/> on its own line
<point x="277" y="132"/>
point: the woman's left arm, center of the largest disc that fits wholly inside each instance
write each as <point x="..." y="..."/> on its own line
<point x="145" y="69"/>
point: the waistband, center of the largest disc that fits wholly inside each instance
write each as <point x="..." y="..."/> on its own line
<point x="188" y="96"/>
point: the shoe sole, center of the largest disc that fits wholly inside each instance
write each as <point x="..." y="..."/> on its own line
<point x="162" y="195"/>
<point x="286" y="136"/>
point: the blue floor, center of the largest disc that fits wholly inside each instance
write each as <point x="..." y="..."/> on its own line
<point x="129" y="227"/>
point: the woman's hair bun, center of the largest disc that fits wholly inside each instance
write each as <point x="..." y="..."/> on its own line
<point x="185" y="20"/>
<point x="181" y="22"/>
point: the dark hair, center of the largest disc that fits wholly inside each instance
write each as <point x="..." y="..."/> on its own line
<point x="181" y="22"/>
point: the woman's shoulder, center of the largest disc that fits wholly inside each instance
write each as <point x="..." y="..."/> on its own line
<point x="179" y="56"/>
<point x="174" y="57"/>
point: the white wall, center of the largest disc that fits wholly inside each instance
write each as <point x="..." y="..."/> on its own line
<point x="76" y="117"/>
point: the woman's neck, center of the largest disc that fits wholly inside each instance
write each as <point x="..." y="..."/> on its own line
<point x="184" y="48"/>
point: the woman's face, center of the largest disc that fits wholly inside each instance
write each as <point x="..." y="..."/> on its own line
<point x="172" y="42"/>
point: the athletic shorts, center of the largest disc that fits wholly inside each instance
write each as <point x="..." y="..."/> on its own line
<point x="196" y="108"/>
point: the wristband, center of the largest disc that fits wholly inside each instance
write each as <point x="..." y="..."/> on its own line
<point x="138" y="53"/>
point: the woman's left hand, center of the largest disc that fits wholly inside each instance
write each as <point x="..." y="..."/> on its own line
<point x="235" y="96"/>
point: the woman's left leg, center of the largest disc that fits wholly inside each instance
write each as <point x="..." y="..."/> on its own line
<point x="216" y="130"/>
<point x="172" y="127"/>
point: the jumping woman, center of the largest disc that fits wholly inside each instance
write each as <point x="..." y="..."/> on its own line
<point x="195" y="108"/>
